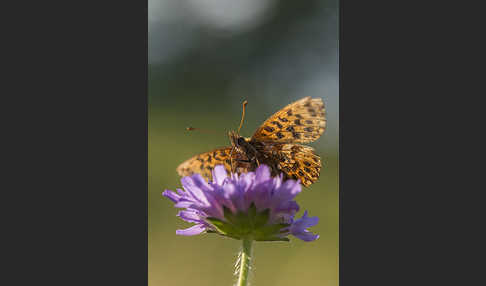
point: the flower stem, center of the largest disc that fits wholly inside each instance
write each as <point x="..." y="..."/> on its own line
<point x="244" y="265"/>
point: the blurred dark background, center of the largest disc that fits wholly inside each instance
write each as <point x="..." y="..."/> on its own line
<point x="205" y="58"/>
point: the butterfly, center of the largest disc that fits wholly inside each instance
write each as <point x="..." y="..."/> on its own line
<point x="275" y="143"/>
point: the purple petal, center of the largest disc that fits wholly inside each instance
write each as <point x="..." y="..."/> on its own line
<point x="299" y="227"/>
<point x="193" y="230"/>
<point x="201" y="183"/>
<point x="262" y="174"/>
<point x="305" y="222"/>
<point x="290" y="207"/>
<point x="203" y="194"/>
<point x="277" y="181"/>
<point x="285" y="212"/>
<point x="286" y="192"/>
<point x="171" y="195"/>
<point x="245" y="181"/>
<point x="215" y="208"/>
<point x="229" y="190"/>
<point x="261" y="195"/>
<point x="190" y="216"/>
<point x="222" y="199"/>
<point x="185" y="204"/>
<point x="219" y="174"/>
<point x="245" y="186"/>
<point x="190" y="184"/>
<point x="307" y="236"/>
<point x="209" y="204"/>
<point x="233" y="193"/>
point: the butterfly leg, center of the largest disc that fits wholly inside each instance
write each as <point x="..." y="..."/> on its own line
<point x="255" y="156"/>
<point x="249" y="161"/>
<point x="231" y="160"/>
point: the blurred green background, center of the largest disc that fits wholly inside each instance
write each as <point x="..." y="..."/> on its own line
<point x="205" y="58"/>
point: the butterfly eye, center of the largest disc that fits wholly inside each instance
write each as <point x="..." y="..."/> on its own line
<point x="241" y="141"/>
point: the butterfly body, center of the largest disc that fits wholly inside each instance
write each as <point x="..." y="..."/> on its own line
<point x="275" y="144"/>
<point x="243" y="146"/>
<point x="251" y="154"/>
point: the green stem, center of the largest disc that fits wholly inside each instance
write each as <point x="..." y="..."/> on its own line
<point x="244" y="265"/>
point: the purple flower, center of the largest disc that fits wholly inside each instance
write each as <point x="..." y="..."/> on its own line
<point x="251" y="205"/>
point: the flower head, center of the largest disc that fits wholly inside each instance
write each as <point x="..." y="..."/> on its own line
<point x="251" y="205"/>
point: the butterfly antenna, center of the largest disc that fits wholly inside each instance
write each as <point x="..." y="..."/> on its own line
<point x="242" y="115"/>
<point x="202" y="130"/>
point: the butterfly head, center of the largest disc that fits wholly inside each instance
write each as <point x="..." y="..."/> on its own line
<point x="236" y="140"/>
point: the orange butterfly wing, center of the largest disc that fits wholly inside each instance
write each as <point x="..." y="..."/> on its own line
<point x="299" y="122"/>
<point x="204" y="163"/>
<point x="296" y="161"/>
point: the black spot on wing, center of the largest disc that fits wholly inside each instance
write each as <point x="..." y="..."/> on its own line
<point x="278" y="124"/>
<point x="269" y="129"/>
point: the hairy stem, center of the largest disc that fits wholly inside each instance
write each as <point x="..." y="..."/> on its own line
<point x="244" y="263"/>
